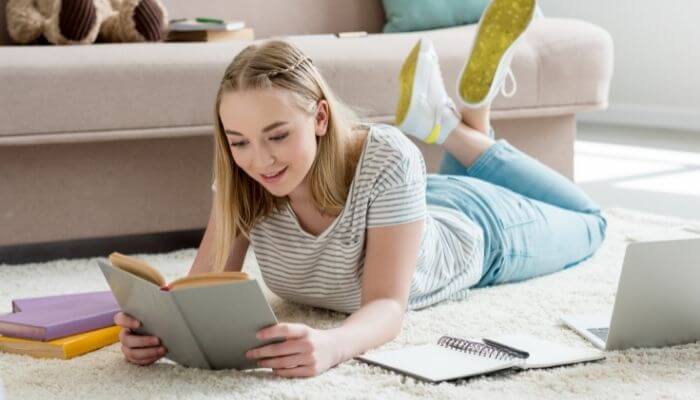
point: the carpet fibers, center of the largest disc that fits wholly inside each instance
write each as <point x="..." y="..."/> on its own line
<point x="530" y="307"/>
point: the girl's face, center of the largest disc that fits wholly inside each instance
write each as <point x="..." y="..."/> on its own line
<point x="270" y="138"/>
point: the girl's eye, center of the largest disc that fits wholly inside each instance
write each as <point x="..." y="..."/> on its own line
<point x="280" y="137"/>
<point x="275" y="138"/>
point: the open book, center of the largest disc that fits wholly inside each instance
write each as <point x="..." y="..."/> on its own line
<point x="206" y="321"/>
<point x="453" y="358"/>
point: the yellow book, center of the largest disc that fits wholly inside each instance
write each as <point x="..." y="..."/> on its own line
<point x="65" y="347"/>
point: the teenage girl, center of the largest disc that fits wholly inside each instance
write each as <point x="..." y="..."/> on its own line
<point x="342" y="216"/>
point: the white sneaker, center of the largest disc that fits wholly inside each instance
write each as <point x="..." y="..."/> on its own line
<point x="424" y="111"/>
<point x="486" y="68"/>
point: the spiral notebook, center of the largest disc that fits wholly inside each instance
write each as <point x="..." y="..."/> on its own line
<point x="454" y="358"/>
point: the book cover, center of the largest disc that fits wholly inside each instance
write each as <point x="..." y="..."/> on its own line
<point x="63" y="300"/>
<point x="63" y="348"/>
<point x="58" y="317"/>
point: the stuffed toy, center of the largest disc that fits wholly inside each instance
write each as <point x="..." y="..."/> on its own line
<point x="83" y="21"/>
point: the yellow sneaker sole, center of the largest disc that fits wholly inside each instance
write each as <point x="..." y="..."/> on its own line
<point x="502" y="23"/>
<point x="408" y="72"/>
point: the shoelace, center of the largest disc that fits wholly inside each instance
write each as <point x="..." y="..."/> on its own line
<point x="510" y="75"/>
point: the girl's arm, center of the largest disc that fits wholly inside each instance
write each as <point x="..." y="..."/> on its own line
<point x="203" y="260"/>
<point x="390" y="262"/>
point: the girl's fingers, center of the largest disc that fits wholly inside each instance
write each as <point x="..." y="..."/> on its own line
<point x="138" y="349"/>
<point x="142" y="355"/>
<point x="136" y="341"/>
<point x="295" y="360"/>
<point x="126" y="321"/>
<point x="143" y="362"/>
<point x="287" y="347"/>
<point x="285" y="330"/>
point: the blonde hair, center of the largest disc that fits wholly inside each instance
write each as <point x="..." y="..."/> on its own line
<point x="239" y="200"/>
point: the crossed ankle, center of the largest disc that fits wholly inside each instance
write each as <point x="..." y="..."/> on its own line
<point x="474" y="131"/>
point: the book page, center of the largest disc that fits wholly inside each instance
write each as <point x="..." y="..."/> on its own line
<point x="206" y="279"/>
<point x="435" y="363"/>
<point x="136" y="267"/>
<point x="143" y="270"/>
<point x="544" y="353"/>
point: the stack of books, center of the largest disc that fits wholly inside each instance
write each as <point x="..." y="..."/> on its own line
<point x="207" y="30"/>
<point x="62" y="326"/>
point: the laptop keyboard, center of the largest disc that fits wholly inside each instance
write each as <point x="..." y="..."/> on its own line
<point x="600" y="332"/>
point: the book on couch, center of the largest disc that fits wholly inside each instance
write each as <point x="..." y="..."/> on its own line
<point x="211" y="36"/>
<point x="207" y="320"/>
<point x="454" y="358"/>
<point x="207" y="30"/>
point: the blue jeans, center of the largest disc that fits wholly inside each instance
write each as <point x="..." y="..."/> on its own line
<point x="535" y="221"/>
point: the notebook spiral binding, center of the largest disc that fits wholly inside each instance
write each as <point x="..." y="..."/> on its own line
<point x="476" y="348"/>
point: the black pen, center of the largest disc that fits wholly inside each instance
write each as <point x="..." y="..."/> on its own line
<point x="517" y="352"/>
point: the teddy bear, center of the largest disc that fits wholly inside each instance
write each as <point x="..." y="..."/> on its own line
<point x="83" y="21"/>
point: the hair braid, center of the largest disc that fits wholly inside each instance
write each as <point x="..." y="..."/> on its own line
<point x="292" y="67"/>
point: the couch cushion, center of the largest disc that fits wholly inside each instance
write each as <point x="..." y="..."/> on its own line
<point x="112" y="90"/>
<point x="411" y="15"/>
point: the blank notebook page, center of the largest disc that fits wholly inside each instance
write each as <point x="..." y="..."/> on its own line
<point x="436" y="363"/>
<point x="546" y="354"/>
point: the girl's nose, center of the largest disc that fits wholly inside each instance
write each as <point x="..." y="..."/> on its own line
<point x="263" y="158"/>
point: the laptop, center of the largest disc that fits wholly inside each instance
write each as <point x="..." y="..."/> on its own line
<point x="657" y="302"/>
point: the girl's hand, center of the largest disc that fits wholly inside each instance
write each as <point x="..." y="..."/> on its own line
<point x="138" y="349"/>
<point x="305" y="352"/>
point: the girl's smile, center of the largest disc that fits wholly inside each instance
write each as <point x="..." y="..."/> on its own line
<point x="275" y="176"/>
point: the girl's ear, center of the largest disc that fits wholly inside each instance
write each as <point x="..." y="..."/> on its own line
<point x="321" y="117"/>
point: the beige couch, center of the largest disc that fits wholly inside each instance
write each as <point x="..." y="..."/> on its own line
<point x="108" y="140"/>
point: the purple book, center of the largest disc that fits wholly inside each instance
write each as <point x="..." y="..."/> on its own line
<point x="51" y="317"/>
<point x="62" y="300"/>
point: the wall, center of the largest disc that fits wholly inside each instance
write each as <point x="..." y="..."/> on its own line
<point x="657" y="59"/>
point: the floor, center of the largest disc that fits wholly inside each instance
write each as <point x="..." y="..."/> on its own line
<point x="652" y="170"/>
<point x="531" y="307"/>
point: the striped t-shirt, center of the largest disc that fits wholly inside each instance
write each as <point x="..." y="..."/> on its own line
<point x="388" y="189"/>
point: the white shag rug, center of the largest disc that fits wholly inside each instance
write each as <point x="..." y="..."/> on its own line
<point x="530" y="307"/>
